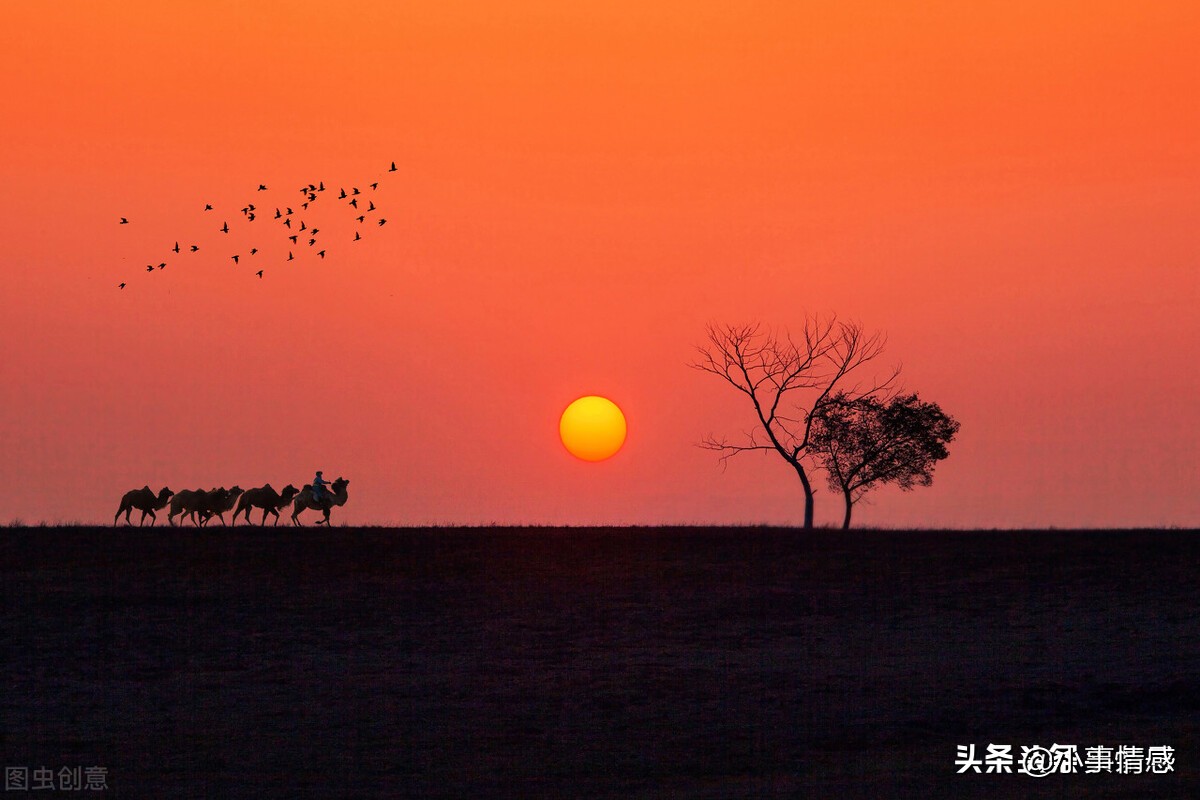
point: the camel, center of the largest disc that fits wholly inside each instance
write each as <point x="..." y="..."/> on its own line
<point x="143" y="500"/>
<point x="218" y="502"/>
<point x="207" y="504"/>
<point x="266" y="498"/>
<point x="187" y="502"/>
<point x="304" y="500"/>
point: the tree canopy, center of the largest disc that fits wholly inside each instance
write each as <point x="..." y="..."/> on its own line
<point x="867" y="441"/>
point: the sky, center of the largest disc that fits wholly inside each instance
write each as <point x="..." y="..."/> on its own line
<point x="1007" y="190"/>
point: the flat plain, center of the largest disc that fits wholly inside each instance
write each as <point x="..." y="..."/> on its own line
<point x="595" y="662"/>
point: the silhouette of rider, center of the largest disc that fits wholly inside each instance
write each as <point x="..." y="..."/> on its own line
<point x="318" y="487"/>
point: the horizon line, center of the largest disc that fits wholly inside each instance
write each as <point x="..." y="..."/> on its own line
<point x="17" y="524"/>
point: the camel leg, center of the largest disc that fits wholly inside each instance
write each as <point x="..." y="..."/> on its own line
<point x="142" y="521"/>
<point x="117" y="516"/>
<point x="153" y="516"/>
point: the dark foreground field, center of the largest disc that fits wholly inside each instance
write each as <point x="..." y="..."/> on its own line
<point x="612" y="663"/>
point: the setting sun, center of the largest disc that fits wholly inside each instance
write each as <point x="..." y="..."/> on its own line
<point x="592" y="428"/>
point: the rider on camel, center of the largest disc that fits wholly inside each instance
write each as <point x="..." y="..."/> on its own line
<point x="318" y="487"/>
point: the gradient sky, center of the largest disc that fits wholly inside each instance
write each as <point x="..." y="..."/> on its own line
<point x="1009" y="190"/>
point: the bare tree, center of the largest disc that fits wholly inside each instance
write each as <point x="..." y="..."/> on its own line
<point x="788" y="379"/>
<point x="866" y="442"/>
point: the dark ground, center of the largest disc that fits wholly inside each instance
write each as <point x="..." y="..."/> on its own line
<point x="607" y="663"/>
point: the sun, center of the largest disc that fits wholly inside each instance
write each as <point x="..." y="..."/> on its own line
<point x="592" y="428"/>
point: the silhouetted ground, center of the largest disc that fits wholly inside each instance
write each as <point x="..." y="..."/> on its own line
<point x="594" y="663"/>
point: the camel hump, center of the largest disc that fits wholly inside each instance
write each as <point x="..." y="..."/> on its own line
<point x="307" y="487"/>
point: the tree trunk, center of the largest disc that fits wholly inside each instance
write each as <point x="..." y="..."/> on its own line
<point x="808" y="495"/>
<point x="849" y="507"/>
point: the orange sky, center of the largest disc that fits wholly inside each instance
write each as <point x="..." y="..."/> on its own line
<point x="1009" y="191"/>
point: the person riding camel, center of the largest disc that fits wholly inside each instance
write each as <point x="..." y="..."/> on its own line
<point x="318" y="487"/>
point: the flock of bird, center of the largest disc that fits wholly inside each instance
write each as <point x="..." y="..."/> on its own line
<point x="301" y="236"/>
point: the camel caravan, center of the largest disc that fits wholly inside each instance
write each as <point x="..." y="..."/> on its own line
<point x="201" y="505"/>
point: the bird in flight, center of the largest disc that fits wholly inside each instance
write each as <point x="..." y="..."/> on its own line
<point x="310" y="192"/>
